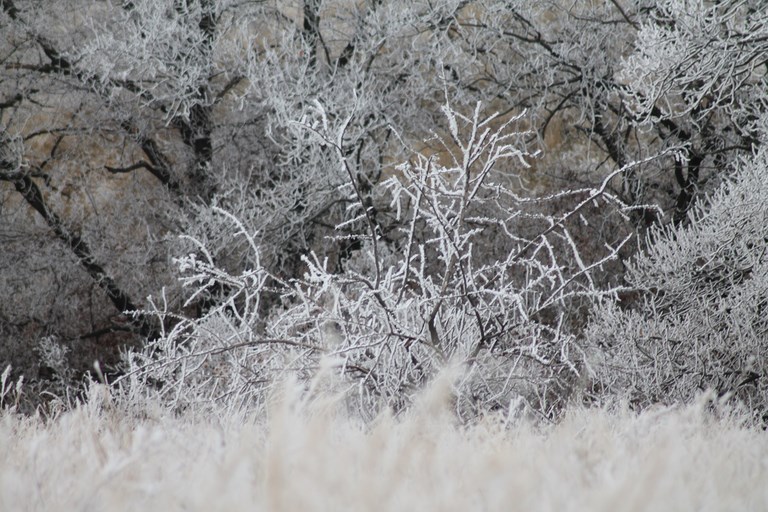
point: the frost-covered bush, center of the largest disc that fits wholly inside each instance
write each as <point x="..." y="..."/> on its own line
<point x="703" y="321"/>
<point x="468" y="272"/>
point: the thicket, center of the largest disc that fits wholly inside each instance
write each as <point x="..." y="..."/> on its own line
<point x="209" y="196"/>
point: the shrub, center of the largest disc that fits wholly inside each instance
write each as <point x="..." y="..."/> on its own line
<point x="467" y="271"/>
<point x="702" y="323"/>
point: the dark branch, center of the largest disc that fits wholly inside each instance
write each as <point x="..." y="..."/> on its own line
<point x="131" y="168"/>
<point x="119" y="298"/>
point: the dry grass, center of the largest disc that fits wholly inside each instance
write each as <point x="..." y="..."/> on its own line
<point x="307" y="457"/>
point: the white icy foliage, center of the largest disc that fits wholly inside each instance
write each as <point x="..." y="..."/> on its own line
<point x="704" y="321"/>
<point x="699" y="60"/>
<point x="156" y="49"/>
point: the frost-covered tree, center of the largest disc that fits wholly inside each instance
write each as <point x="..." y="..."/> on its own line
<point x="132" y="125"/>
<point x="633" y="78"/>
<point x="133" y="119"/>
<point x="699" y="72"/>
<point x="699" y="77"/>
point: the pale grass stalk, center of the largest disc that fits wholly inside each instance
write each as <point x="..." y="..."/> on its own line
<point x="306" y="455"/>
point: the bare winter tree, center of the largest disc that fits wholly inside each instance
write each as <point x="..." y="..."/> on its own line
<point x="633" y="78"/>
